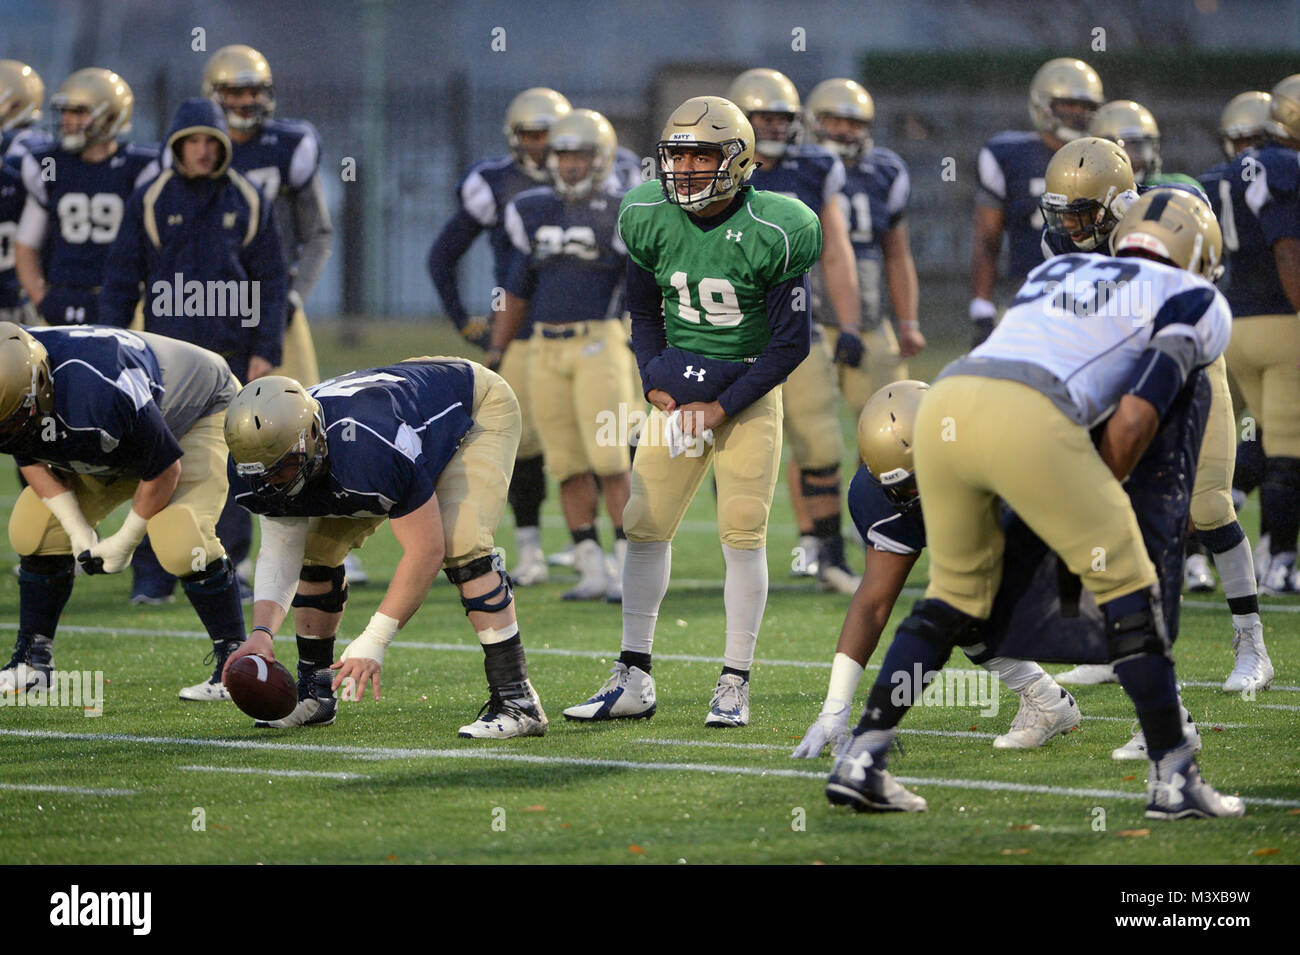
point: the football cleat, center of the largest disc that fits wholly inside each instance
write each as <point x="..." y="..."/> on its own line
<point x="317" y="705"/>
<point x="1046" y="710"/>
<point x="805" y="562"/>
<point x="1254" y="670"/>
<point x="1136" y="748"/>
<point x="837" y="579"/>
<point x="530" y="570"/>
<point x="617" y="561"/>
<point x="30" y="667"/>
<point x="142" y="599"/>
<point x="730" y="704"/>
<point x="593" y="574"/>
<point x="1175" y="790"/>
<point x="1280" y="579"/>
<point x="860" y="780"/>
<point x="1088" y="674"/>
<point x="1197" y="576"/>
<point x="505" y="717"/>
<point x="213" y="690"/>
<point x="629" y="693"/>
<point x="563" y="558"/>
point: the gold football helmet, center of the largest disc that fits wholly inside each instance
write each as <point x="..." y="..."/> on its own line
<point x="1285" y="109"/>
<point x="712" y="123"/>
<point x="1084" y="180"/>
<point x="846" y="100"/>
<point x="533" y="110"/>
<point x="1173" y="226"/>
<point x="276" y="434"/>
<point x="583" y="130"/>
<point x="21" y="95"/>
<point x="1132" y="126"/>
<point x="767" y="91"/>
<point x="1063" y="95"/>
<point x="26" y="386"/>
<point x="104" y="96"/>
<point x="1245" y="122"/>
<point x="234" y="68"/>
<point x="885" y="430"/>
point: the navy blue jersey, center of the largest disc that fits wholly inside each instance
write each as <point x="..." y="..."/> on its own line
<point x="628" y="170"/>
<point x="484" y="194"/>
<point x="1263" y="206"/>
<point x="566" y="258"/>
<point x="881" y="523"/>
<point x="389" y="434"/>
<point x="12" y="198"/>
<point x="280" y="159"/>
<point x="812" y="174"/>
<point x="107" y="421"/>
<point x="1012" y="167"/>
<point x="874" y="198"/>
<point x="16" y="143"/>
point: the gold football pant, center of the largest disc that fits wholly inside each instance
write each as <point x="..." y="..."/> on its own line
<point x="1264" y="355"/>
<point x="515" y="369"/>
<point x="746" y="457"/>
<point x="882" y="365"/>
<point x="1212" y="494"/>
<point x="298" y="355"/>
<point x="979" y="440"/>
<point x="810" y="400"/>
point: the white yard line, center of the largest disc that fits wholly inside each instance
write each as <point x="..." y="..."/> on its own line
<point x="1133" y="719"/>
<point x="73" y="790"/>
<point x="1278" y="706"/>
<point x="254" y="771"/>
<point x="490" y="755"/>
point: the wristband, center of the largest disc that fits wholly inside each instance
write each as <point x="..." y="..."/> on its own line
<point x="269" y="632"/>
<point x="911" y="323"/>
<point x="982" y="308"/>
<point x="133" y="528"/>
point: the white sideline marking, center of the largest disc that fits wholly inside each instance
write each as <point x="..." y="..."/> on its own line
<point x="75" y="790"/>
<point x="783" y="749"/>
<point x="1133" y="719"/>
<point x="1278" y="706"/>
<point x="1219" y="686"/>
<point x="253" y="771"/>
<point x="489" y="755"/>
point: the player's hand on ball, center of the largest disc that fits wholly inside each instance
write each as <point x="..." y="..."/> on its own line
<point x="258" y="642"/>
<point x="831" y="729"/>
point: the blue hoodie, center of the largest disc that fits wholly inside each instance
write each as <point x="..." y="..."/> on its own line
<point x="207" y="252"/>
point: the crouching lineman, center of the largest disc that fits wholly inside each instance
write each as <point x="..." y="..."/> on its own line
<point x="887" y="512"/>
<point x="428" y="444"/>
<point x="1055" y="367"/>
<point x="97" y="416"/>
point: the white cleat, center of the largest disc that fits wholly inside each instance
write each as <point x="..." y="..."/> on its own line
<point x="1197" y="576"/>
<point x="530" y="570"/>
<point x="1175" y="790"/>
<point x="1136" y="748"/>
<point x="1280" y="579"/>
<point x="1088" y="674"/>
<point x="629" y="693"/>
<point x="837" y="580"/>
<point x="22" y="677"/>
<point x="618" y="560"/>
<point x="355" y="572"/>
<point x="1263" y="557"/>
<point x="206" y="692"/>
<point x="1046" y="710"/>
<point x="1254" y="670"/>
<point x="730" y="704"/>
<point x="593" y="574"/>
<point x="563" y="558"/>
<point x="804" y="563"/>
<point x="509" y="717"/>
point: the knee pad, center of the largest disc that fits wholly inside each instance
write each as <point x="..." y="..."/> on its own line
<point x="213" y="579"/>
<point x="493" y="601"/>
<point x="943" y="626"/>
<point x="45" y="569"/>
<point x="1135" y="625"/>
<point x="741" y="517"/>
<point x="810" y="489"/>
<point x="334" y="599"/>
<point x="180" y="544"/>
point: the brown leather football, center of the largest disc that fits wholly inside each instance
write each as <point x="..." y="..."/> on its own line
<point x="262" y="688"/>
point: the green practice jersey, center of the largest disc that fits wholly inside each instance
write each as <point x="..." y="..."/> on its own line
<point x="715" y="283"/>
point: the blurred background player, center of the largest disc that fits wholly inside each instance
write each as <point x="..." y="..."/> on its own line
<point x="71" y="218"/>
<point x="1063" y="96"/>
<point x="97" y="417"/>
<point x="874" y="204"/>
<point x="21" y="96"/>
<point x="428" y="445"/>
<point x="483" y="193"/>
<point x="565" y="275"/>
<point x="717" y="287"/>
<point x="1132" y="126"/>
<point x="887" y="511"/>
<point x="815" y="176"/>
<point x="1090" y="185"/>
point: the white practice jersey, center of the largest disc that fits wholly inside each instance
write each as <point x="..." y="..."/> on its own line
<point x="1087" y="320"/>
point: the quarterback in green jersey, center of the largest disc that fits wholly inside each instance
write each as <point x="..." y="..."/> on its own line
<point x="717" y="287"/>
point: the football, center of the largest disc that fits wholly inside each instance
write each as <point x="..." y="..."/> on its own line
<point x="262" y="688"/>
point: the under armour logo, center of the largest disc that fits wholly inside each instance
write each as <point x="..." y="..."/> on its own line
<point x="228" y="220"/>
<point x="690" y="372"/>
<point x="734" y="235"/>
<point x="1172" y="791"/>
<point x="175" y="219"/>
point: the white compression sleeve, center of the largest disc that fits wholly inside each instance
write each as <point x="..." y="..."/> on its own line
<point x="279" y="562"/>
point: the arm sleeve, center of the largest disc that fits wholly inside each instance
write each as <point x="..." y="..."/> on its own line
<point x="789" y="315"/>
<point x="125" y="268"/>
<point x="264" y="262"/>
<point x="452" y="242"/>
<point x="645" y="305"/>
<point x="279" y="561"/>
<point x="313" y="232"/>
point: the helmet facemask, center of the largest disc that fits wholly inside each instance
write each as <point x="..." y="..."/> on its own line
<point x="702" y="188"/>
<point x="245" y="115"/>
<point x="1085" y="222"/>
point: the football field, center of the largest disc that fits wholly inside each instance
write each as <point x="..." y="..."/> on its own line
<point x="154" y="779"/>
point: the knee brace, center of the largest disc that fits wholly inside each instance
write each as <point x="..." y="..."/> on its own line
<point x="1135" y="625"/>
<point x="212" y="579"/>
<point x="39" y="569"/>
<point x="809" y="489"/>
<point x="493" y="601"/>
<point x="943" y="626"/>
<point x="334" y="599"/>
<point x="1222" y="538"/>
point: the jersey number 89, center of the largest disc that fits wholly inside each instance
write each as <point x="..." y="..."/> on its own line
<point x="96" y="217"/>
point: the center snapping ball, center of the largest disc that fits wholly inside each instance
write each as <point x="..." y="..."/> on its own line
<point x="262" y="688"/>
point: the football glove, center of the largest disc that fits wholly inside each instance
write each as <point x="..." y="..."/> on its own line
<point x="849" y="350"/>
<point x="830" y="729"/>
<point x="477" y="330"/>
<point x="113" y="554"/>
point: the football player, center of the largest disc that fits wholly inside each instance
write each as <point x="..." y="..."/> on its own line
<point x="483" y="194"/>
<point x="71" y="217"/>
<point x="717" y="287"/>
<point x="1056" y="366"/>
<point x="21" y="95"/>
<point x="888" y="516"/>
<point x="565" y="275"/>
<point x="96" y="417"/>
<point x="1063" y="96"/>
<point x="1134" y="129"/>
<point x="874" y="203"/>
<point x="1259" y="205"/>
<point x="815" y="176"/>
<point x="427" y="444"/>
